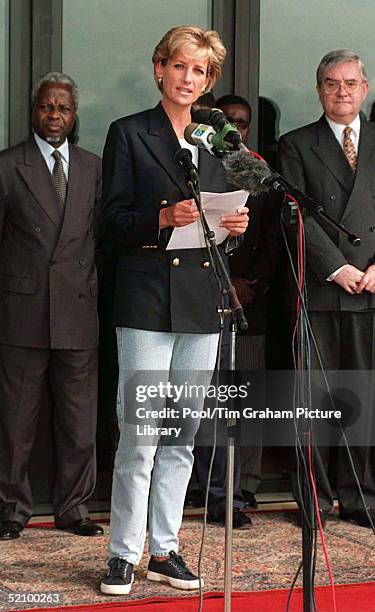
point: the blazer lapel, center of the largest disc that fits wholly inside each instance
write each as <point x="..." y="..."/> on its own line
<point x="332" y="155"/>
<point x="163" y="143"/>
<point x="366" y="154"/>
<point x="39" y="181"/>
<point x="364" y="173"/>
<point x="77" y="194"/>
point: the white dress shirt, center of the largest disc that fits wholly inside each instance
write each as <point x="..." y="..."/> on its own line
<point x="46" y="150"/>
<point x="338" y="130"/>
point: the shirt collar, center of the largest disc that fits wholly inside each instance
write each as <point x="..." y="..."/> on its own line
<point x="46" y="149"/>
<point x="338" y="128"/>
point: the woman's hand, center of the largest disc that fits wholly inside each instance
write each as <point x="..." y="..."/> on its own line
<point x="178" y="215"/>
<point x="236" y="224"/>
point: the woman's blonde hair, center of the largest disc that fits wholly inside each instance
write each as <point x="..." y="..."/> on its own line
<point x="193" y="41"/>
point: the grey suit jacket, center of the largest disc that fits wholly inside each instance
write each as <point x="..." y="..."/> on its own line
<point x="312" y="159"/>
<point x="48" y="280"/>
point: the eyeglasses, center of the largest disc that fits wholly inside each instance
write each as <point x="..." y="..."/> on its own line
<point x="332" y="86"/>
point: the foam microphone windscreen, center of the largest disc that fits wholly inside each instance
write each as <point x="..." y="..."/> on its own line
<point x="247" y="172"/>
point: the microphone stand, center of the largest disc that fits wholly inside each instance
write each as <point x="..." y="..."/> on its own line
<point x="308" y="519"/>
<point x="231" y="430"/>
<point x="237" y="316"/>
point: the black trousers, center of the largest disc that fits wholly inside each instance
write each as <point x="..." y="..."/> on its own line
<point x="346" y="341"/>
<point x="217" y="492"/>
<point x="250" y="355"/>
<point x="72" y="379"/>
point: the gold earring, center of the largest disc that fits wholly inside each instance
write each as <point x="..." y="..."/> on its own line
<point x="203" y="90"/>
<point x="160" y="80"/>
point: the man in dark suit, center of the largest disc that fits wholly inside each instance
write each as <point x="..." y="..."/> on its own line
<point x="333" y="160"/>
<point x="49" y="199"/>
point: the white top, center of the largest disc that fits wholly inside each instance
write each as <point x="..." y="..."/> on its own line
<point x="193" y="148"/>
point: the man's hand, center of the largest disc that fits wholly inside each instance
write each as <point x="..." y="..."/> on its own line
<point x="245" y="289"/>
<point x="236" y="224"/>
<point x="349" y="278"/>
<point x="368" y="280"/>
<point x="178" y="215"/>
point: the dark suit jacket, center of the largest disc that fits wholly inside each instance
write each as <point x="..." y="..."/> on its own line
<point x="311" y="158"/>
<point x="258" y="256"/>
<point x="139" y="176"/>
<point x="48" y="281"/>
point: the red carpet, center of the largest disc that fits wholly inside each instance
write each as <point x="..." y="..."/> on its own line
<point x="349" y="598"/>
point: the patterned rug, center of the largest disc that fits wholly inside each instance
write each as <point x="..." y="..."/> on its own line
<point x="264" y="557"/>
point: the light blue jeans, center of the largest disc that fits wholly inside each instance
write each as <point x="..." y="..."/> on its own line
<point x="151" y="474"/>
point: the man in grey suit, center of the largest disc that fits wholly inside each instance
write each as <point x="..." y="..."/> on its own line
<point x="333" y="161"/>
<point x="49" y="199"/>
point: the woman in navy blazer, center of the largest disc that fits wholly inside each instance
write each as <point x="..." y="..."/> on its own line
<point x="165" y="309"/>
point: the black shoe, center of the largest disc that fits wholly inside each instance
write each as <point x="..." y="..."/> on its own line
<point x="10" y="530"/>
<point x="83" y="527"/>
<point x="194" y="499"/>
<point x="357" y="516"/>
<point x="119" y="578"/>
<point x="323" y="519"/>
<point x="240" y="519"/>
<point x="174" y="571"/>
<point x="249" y="497"/>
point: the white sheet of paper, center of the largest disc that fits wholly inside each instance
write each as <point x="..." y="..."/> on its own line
<point x="215" y="205"/>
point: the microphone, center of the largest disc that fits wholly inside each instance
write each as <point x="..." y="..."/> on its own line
<point x="212" y="116"/>
<point x="245" y="170"/>
<point x="250" y="173"/>
<point x="201" y="115"/>
<point x="216" y="143"/>
<point x="201" y="135"/>
<point x="218" y="120"/>
<point x="184" y="158"/>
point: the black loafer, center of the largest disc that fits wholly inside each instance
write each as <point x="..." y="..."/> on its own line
<point x="249" y="497"/>
<point x="194" y="499"/>
<point x="10" y="530"/>
<point x="83" y="527"/>
<point x="240" y="519"/>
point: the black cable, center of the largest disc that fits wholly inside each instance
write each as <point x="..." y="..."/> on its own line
<point x="300" y="344"/>
<point x="305" y="328"/>
<point x="291" y="589"/>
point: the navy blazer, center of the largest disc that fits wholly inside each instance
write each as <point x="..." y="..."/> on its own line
<point x="312" y="158"/>
<point x="156" y="289"/>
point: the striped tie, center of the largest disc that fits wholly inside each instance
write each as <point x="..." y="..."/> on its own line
<point x="349" y="148"/>
<point x="58" y="176"/>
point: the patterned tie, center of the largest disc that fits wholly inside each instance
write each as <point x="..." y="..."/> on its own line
<point x="349" y="149"/>
<point x="58" y="176"/>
